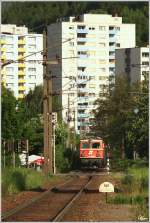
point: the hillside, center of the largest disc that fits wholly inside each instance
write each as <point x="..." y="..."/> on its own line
<point x="36" y="14"/>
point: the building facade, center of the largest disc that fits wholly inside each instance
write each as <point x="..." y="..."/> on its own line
<point x="87" y="46"/>
<point x="133" y="63"/>
<point x="26" y="70"/>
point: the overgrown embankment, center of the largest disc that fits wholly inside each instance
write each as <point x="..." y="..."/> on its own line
<point x="15" y="180"/>
<point x="133" y="188"/>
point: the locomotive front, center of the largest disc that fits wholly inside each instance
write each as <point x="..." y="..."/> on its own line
<point x="92" y="152"/>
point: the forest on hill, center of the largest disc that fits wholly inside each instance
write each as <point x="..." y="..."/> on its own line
<point x="35" y="15"/>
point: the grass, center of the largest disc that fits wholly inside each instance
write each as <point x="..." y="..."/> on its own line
<point x="19" y="179"/>
<point x="134" y="187"/>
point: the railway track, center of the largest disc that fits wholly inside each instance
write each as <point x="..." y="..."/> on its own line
<point x="53" y="204"/>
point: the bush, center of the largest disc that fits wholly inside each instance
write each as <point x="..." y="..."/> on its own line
<point x="123" y="199"/>
<point x="19" y="179"/>
<point x="127" y="180"/>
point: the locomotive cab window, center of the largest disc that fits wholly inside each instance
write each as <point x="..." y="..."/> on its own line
<point x="85" y="145"/>
<point x="95" y="145"/>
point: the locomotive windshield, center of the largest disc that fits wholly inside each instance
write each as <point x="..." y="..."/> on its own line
<point x="95" y="145"/>
<point x="85" y="145"/>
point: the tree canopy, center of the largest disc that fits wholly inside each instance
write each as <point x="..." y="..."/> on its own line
<point x="122" y="118"/>
<point x="36" y="15"/>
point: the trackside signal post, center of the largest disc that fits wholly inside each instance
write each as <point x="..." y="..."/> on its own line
<point x="47" y="109"/>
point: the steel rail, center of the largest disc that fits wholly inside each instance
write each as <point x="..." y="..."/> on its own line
<point x="64" y="210"/>
<point x="33" y="200"/>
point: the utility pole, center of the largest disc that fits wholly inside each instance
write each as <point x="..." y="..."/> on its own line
<point x="47" y="107"/>
<point x="68" y="121"/>
<point x="13" y="152"/>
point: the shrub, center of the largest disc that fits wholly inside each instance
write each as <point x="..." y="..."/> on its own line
<point x="19" y="179"/>
<point x="127" y="180"/>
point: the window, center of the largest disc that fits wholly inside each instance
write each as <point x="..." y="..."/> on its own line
<point x="111" y="43"/>
<point x="103" y="78"/>
<point x="10" y="85"/>
<point x="82" y="52"/>
<point x="91" y="28"/>
<point x="9" y="54"/>
<point x="102" y="28"/>
<point x="145" y="63"/>
<point x="92" y="94"/>
<point x="71" y="43"/>
<point x="32" y="85"/>
<point x="9" y="69"/>
<point x="102" y="69"/>
<point x="33" y="70"/>
<point x="81" y="35"/>
<point x="145" y="54"/>
<point x="80" y="43"/>
<point x="10" y="77"/>
<point x="32" y="40"/>
<point x="32" y="47"/>
<point x="111" y="27"/>
<point x="21" y="92"/>
<point x="117" y="44"/>
<point x="32" y="61"/>
<point x="9" y="46"/>
<point x="81" y="68"/>
<point x="92" y="85"/>
<point x="85" y="145"/>
<point x="102" y="44"/>
<point x="92" y="77"/>
<point x="32" y="76"/>
<point x="81" y="27"/>
<point x="71" y="27"/>
<point x="21" y="84"/>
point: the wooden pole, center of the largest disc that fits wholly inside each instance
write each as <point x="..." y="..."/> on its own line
<point x="47" y="109"/>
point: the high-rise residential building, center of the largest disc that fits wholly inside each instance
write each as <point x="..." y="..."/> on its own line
<point x="133" y="63"/>
<point x="87" y="46"/>
<point x="26" y="70"/>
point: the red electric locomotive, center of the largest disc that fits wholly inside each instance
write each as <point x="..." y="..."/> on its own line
<point x="92" y="152"/>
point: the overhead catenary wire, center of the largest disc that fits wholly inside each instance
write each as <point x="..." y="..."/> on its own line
<point x="40" y="51"/>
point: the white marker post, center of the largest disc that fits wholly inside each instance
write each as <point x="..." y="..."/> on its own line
<point x="108" y="166"/>
<point x="106" y="187"/>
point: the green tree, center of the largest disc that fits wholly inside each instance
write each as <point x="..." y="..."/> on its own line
<point x="9" y="121"/>
<point x="116" y="121"/>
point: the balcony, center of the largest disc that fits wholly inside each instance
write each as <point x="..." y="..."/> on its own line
<point x="21" y="65"/>
<point x="83" y="115"/>
<point x="83" y="90"/>
<point x="3" y="49"/>
<point x="112" y="57"/>
<point x="22" y="50"/>
<point x="21" y="88"/>
<point x="21" y="42"/>
<point x="21" y="80"/>
<point x="3" y="57"/>
<point x="81" y="39"/>
<point x="21" y="73"/>
<point x="82" y="30"/>
<point x="21" y="96"/>
<point x="20" y="57"/>
<point x="2" y="41"/>
<point x="112" y="31"/>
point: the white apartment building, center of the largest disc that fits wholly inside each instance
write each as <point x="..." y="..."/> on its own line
<point x="17" y="43"/>
<point x="133" y="63"/>
<point x="87" y="46"/>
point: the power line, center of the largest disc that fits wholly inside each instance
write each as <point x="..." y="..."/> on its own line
<point x="40" y="51"/>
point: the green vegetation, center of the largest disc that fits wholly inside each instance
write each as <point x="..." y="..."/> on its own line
<point x="116" y="121"/>
<point x="134" y="190"/>
<point x="19" y="179"/>
<point x="24" y="119"/>
<point x="21" y="13"/>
